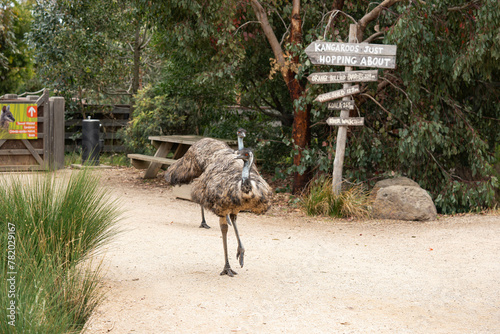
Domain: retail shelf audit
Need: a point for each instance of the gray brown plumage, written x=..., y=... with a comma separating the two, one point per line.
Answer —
x=221, y=189
x=197, y=159
x=229, y=185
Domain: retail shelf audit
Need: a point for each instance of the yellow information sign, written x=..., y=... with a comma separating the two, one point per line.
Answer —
x=18, y=121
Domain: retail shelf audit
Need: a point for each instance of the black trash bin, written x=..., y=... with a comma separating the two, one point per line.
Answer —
x=91, y=144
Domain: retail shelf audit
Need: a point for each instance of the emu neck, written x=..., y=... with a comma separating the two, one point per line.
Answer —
x=245, y=174
x=240, y=143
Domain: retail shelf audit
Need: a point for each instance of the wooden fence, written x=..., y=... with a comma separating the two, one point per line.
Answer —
x=112, y=118
x=46, y=152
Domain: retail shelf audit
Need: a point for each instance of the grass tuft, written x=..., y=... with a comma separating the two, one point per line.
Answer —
x=319, y=199
x=59, y=222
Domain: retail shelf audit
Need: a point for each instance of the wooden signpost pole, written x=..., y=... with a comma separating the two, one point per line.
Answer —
x=338, y=163
x=351, y=54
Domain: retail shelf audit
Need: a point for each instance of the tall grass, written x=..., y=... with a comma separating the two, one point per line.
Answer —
x=60, y=222
x=319, y=199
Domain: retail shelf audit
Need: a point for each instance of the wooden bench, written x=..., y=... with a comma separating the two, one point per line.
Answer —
x=142, y=161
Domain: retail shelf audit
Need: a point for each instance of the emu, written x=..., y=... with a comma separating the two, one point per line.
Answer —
x=226, y=187
x=197, y=159
x=6, y=117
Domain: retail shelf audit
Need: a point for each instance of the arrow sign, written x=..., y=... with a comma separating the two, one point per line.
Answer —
x=343, y=77
x=337, y=94
x=341, y=105
x=352, y=54
x=351, y=121
x=32, y=111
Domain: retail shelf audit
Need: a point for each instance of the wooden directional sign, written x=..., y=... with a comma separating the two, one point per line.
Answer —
x=352, y=54
x=351, y=121
x=343, y=77
x=337, y=94
x=341, y=105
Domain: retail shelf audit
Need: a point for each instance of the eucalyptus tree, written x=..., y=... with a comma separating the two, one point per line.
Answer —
x=91, y=48
x=433, y=118
x=15, y=58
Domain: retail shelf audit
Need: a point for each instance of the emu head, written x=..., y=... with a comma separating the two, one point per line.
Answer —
x=241, y=133
x=245, y=154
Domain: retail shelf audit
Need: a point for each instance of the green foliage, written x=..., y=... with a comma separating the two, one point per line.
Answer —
x=92, y=49
x=57, y=224
x=319, y=199
x=153, y=115
x=436, y=120
x=445, y=140
x=16, y=67
x=71, y=40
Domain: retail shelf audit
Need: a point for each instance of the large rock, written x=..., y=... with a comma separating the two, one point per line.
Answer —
x=402, y=199
x=397, y=181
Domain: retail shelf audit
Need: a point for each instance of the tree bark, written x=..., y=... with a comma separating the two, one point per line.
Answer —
x=301, y=133
x=137, y=60
x=372, y=16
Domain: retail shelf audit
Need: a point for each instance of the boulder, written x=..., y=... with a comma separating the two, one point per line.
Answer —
x=402, y=199
x=397, y=181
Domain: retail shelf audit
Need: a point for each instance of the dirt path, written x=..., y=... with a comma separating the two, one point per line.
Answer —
x=301, y=274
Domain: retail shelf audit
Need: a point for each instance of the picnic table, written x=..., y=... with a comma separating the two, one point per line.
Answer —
x=175, y=146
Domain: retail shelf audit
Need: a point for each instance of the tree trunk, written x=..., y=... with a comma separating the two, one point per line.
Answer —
x=301, y=133
x=302, y=117
x=137, y=60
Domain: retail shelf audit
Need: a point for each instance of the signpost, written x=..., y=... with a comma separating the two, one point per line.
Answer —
x=352, y=54
x=337, y=94
x=348, y=55
x=343, y=77
x=341, y=105
x=351, y=121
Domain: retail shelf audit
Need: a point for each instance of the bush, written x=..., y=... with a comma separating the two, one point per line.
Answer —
x=51, y=227
x=319, y=199
x=153, y=115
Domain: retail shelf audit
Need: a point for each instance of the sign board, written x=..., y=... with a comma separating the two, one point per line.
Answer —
x=343, y=77
x=337, y=94
x=351, y=121
x=352, y=54
x=341, y=105
x=18, y=121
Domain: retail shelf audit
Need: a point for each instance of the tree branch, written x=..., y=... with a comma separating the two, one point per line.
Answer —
x=271, y=37
x=369, y=17
x=467, y=5
x=373, y=37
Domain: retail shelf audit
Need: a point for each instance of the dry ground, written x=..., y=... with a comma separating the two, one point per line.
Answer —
x=301, y=274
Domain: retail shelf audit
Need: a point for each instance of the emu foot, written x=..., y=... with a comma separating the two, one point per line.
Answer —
x=228, y=271
x=240, y=255
x=204, y=225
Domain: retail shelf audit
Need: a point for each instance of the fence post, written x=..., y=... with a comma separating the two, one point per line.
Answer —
x=57, y=111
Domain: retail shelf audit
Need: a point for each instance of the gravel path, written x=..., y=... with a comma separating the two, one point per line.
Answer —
x=301, y=274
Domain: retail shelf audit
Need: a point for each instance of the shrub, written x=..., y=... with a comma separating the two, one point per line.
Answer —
x=153, y=115
x=319, y=199
x=56, y=224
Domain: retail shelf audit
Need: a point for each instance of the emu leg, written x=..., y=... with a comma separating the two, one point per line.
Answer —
x=203, y=221
x=241, y=250
x=227, y=268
